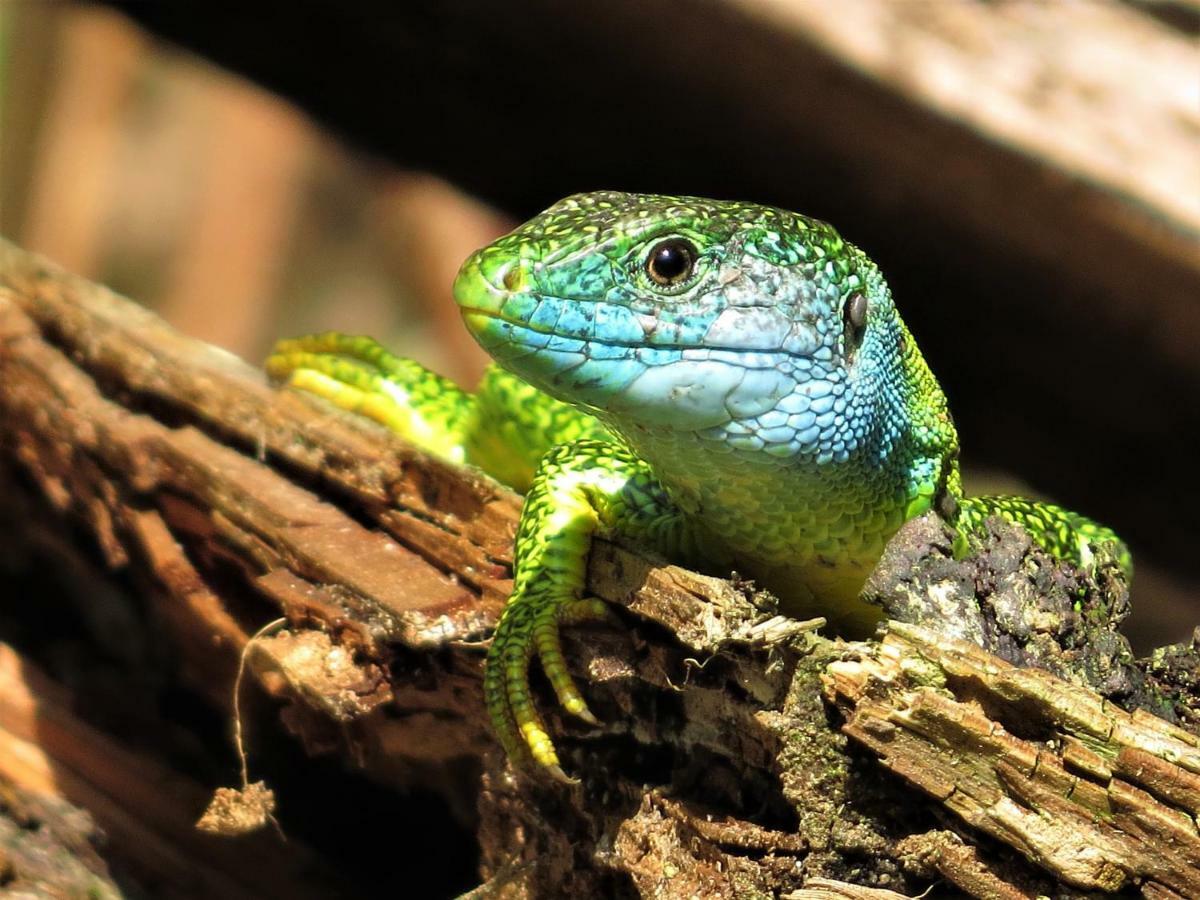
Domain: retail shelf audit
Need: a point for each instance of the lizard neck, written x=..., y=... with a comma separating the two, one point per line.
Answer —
x=808, y=518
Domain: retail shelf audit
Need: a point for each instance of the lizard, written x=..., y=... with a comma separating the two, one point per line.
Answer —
x=722, y=382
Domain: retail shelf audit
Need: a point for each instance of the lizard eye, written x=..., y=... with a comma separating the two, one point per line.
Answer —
x=671, y=261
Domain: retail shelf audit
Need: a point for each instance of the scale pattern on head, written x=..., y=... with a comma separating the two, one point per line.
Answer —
x=758, y=329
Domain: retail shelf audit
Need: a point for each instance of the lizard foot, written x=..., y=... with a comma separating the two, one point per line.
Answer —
x=529, y=627
x=359, y=375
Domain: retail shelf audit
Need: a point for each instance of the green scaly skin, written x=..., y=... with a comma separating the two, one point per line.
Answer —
x=767, y=409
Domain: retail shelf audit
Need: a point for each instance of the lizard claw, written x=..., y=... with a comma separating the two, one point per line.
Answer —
x=560, y=776
x=586, y=715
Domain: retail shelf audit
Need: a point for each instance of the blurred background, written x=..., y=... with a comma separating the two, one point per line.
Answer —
x=214, y=202
x=1026, y=174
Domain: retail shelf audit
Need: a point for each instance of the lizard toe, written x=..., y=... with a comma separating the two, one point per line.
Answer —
x=549, y=650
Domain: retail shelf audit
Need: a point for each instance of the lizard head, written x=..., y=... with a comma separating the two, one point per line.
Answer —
x=746, y=323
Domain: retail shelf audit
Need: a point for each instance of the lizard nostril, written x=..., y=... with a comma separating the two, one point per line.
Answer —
x=498, y=268
x=511, y=277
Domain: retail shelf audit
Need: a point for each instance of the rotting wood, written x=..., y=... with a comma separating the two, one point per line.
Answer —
x=48, y=847
x=48, y=751
x=941, y=714
x=719, y=769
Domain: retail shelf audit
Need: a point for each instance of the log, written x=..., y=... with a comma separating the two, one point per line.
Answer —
x=741, y=752
x=78, y=785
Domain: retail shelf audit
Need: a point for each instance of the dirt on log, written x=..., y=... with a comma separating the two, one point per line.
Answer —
x=742, y=753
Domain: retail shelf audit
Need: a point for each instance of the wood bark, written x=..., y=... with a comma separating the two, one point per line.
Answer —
x=67, y=787
x=741, y=753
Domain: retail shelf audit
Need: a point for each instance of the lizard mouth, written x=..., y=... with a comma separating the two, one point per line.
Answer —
x=632, y=368
x=474, y=312
x=478, y=321
x=684, y=387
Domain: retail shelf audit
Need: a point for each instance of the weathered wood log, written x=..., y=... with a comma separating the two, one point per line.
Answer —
x=53, y=759
x=740, y=753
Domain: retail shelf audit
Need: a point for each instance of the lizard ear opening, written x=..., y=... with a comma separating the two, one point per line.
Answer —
x=855, y=313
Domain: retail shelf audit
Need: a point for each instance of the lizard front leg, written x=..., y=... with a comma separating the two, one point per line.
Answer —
x=358, y=374
x=581, y=490
x=504, y=427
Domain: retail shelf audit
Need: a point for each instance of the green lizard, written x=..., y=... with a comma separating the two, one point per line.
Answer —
x=718, y=381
